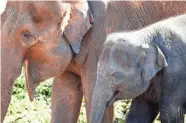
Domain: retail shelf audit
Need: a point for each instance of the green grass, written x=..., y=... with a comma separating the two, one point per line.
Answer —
x=21, y=110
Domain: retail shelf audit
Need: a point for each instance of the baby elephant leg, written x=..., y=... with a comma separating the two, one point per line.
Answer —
x=142, y=111
x=171, y=113
x=66, y=98
x=172, y=107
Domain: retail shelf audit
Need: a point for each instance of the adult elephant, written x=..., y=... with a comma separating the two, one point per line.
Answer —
x=47, y=36
x=44, y=35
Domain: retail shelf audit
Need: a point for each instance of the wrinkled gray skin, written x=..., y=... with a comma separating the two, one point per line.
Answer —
x=144, y=64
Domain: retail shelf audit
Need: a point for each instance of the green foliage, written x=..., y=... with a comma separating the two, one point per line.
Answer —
x=21, y=110
x=120, y=110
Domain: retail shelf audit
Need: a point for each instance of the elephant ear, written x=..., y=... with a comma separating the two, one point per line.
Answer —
x=152, y=60
x=78, y=25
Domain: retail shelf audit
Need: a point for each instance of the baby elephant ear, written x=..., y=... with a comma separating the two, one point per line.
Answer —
x=161, y=58
x=78, y=24
x=152, y=61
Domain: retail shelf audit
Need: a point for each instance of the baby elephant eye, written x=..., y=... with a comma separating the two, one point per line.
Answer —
x=117, y=74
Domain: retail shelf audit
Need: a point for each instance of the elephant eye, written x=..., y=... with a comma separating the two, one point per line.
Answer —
x=27, y=35
x=117, y=74
x=138, y=65
x=28, y=38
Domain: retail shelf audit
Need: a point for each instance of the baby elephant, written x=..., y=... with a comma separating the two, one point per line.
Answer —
x=148, y=65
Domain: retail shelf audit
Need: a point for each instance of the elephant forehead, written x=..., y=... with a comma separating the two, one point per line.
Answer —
x=123, y=55
x=14, y=14
x=46, y=8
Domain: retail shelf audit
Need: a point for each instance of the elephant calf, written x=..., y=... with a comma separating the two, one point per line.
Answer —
x=148, y=65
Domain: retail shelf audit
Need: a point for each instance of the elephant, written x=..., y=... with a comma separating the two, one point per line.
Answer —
x=149, y=62
x=41, y=35
x=64, y=39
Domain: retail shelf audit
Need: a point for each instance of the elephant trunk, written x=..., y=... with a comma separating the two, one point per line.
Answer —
x=30, y=82
x=101, y=95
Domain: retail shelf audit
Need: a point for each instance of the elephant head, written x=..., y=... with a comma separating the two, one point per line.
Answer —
x=44, y=35
x=124, y=71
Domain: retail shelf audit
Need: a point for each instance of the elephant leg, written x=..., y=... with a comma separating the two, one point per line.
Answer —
x=172, y=104
x=66, y=98
x=171, y=113
x=142, y=111
x=108, y=116
x=88, y=81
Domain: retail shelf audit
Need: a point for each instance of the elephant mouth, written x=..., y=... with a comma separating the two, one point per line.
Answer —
x=113, y=99
x=30, y=83
x=110, y=102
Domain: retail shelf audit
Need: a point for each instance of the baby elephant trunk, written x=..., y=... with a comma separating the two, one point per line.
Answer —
x=101, y=95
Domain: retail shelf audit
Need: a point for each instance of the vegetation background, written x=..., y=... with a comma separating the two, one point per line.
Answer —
x=21, y=110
